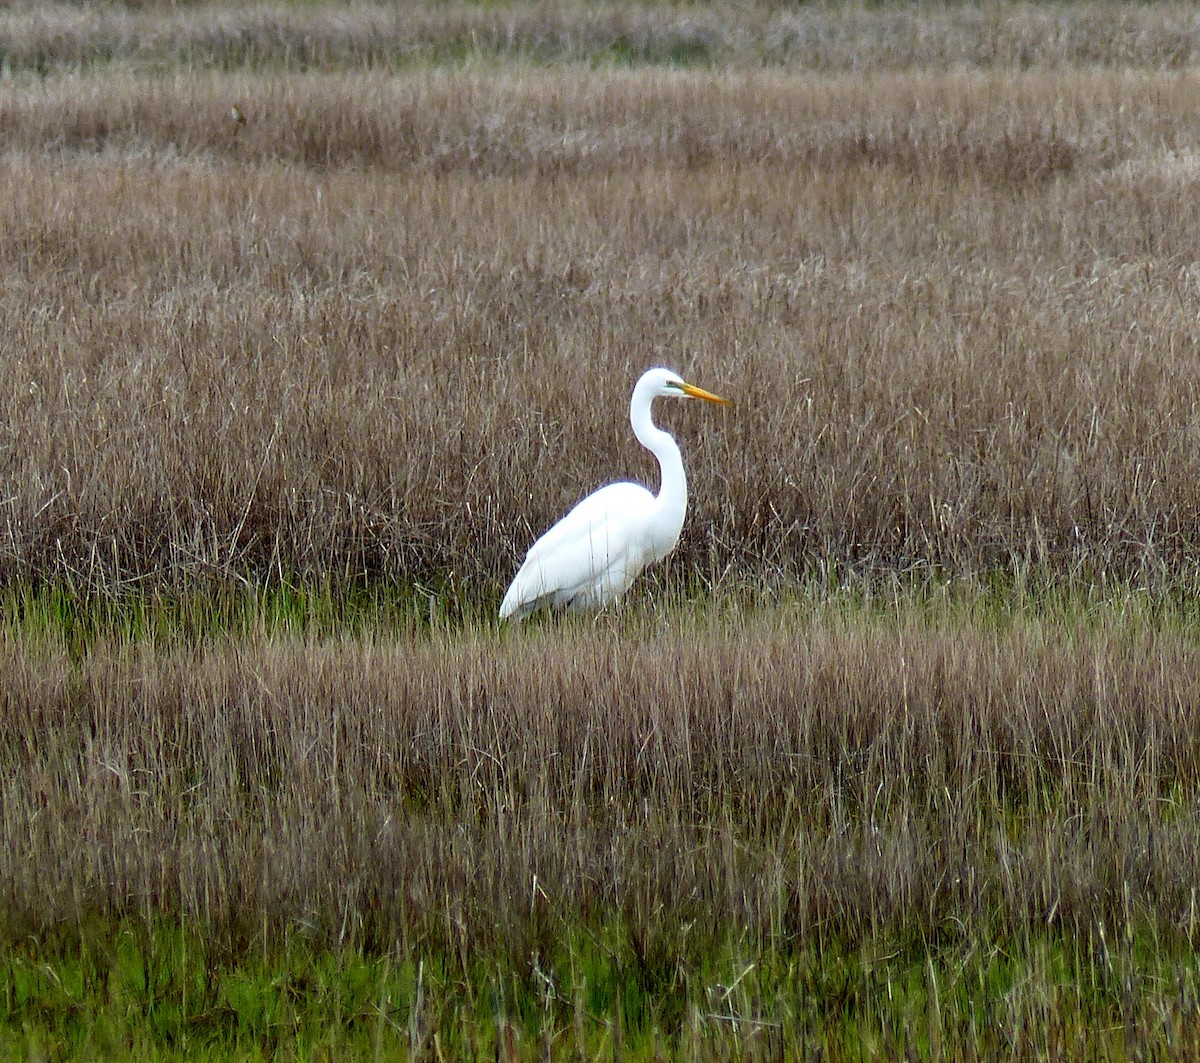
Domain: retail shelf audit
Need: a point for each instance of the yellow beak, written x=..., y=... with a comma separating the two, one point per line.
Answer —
x=693, y=392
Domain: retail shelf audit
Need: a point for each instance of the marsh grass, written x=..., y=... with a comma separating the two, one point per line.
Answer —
x=387, y=330
x=159, y=992
x=868, y=814
x=44, y=38
x=66, y=618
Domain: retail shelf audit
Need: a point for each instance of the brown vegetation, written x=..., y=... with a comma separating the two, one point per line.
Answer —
x=43, y=37
x=814, y=779
x=387, y=327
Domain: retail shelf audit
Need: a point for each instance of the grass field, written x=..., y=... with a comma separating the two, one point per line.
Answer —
x=897, y=755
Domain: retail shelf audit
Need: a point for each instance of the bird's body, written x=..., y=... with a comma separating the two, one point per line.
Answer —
x=591, y=556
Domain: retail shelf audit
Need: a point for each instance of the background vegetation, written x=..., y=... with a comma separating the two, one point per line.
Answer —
x=387, y=328
x=897, y=755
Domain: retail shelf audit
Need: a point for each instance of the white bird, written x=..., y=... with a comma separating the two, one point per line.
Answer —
x=591, y=556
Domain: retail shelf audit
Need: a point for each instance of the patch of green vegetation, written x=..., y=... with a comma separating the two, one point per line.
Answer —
x=686, y=50
x=76, y=620
x=999, y=600
x=130, y=990
x=287, y=43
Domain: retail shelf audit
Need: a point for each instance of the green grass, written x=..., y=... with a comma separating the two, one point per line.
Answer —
x=62, y=615
x=131, y=990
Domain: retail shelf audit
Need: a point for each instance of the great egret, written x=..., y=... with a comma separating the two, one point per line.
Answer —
x=591, y=556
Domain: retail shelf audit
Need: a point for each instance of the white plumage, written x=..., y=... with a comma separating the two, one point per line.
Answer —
x=591, y=556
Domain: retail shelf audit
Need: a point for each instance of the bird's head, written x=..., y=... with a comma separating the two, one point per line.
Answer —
x=669, y=384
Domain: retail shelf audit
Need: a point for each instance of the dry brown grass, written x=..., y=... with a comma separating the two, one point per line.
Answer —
x=388, y=327
x=43, y=37
x=814, y=779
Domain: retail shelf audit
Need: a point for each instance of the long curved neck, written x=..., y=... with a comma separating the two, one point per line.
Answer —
x=672, y=495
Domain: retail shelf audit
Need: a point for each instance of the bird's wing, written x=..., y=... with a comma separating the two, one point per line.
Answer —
x=579, y=554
